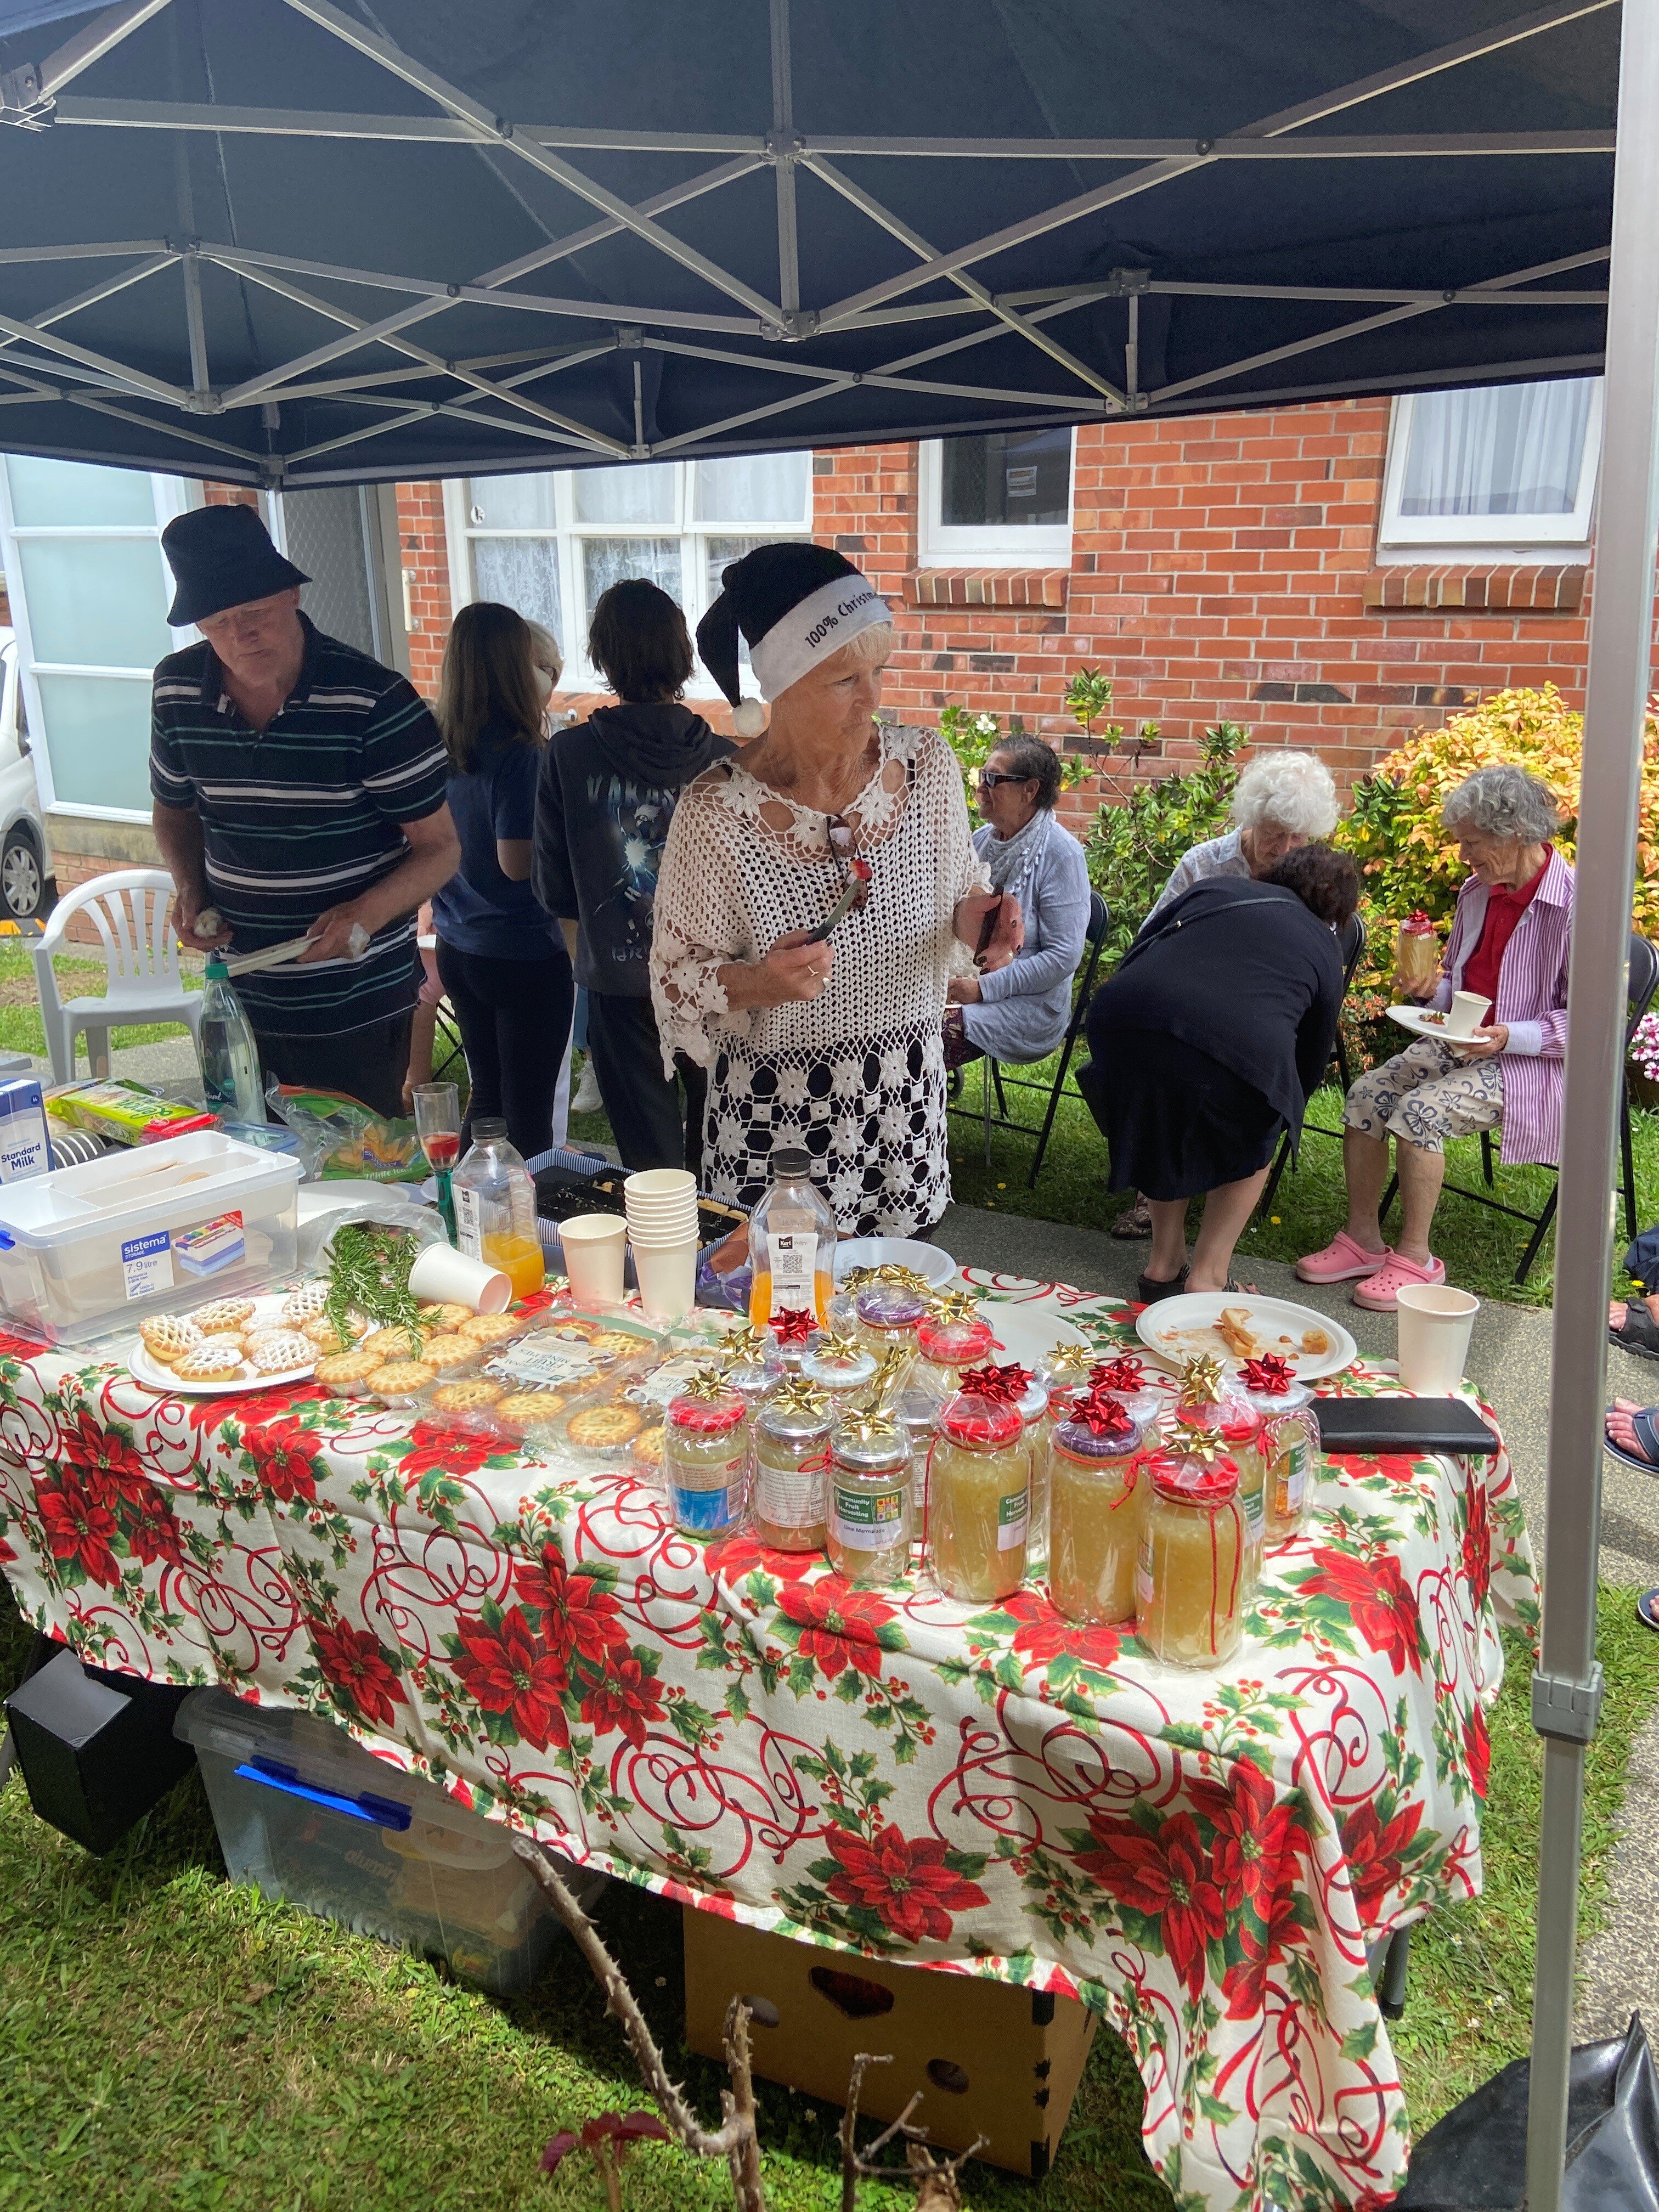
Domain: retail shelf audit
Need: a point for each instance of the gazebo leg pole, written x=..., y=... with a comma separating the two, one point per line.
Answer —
x=1566, y=1688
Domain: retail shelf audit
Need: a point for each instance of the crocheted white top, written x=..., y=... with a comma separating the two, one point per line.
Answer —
x=857, y=1074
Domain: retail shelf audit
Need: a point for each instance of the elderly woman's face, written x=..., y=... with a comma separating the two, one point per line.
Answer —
x=1499, y=861
x=840, y=696
x=1266, y=845
x=1006, y=801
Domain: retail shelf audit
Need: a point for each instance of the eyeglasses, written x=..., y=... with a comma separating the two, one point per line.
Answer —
x=988, y=779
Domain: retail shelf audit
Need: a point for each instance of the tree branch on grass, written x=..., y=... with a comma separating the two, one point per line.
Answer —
x=936, y=2180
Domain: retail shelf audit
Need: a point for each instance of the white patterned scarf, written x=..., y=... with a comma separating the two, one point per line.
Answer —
x=1014, y=861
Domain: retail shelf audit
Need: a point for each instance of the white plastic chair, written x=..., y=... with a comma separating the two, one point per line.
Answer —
x=129, y=910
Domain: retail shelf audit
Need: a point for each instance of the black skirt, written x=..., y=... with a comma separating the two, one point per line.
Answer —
x=1175, y=1122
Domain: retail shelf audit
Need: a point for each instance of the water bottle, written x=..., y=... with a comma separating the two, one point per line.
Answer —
x=230, y=1058
x=496, y=1208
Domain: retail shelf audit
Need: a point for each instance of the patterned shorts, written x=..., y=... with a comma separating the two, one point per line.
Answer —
x=1426, y=1094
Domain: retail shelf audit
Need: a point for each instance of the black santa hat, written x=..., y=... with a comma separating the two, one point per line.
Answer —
x=796, y=603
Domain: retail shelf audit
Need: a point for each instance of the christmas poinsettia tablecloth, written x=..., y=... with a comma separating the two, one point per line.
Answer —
x=1205, y=1858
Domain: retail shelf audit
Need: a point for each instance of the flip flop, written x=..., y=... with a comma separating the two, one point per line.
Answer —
x=1647, y=1608
x=1640, y=1334
x=1646, y=1425
x=1149, y=1290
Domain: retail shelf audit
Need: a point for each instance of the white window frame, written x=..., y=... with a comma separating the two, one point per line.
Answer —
x=171, y=496
x=1017, y=545
x=579, y=675
x=1409, y=538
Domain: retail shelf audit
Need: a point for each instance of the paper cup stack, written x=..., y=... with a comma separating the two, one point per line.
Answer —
x=662, y=1230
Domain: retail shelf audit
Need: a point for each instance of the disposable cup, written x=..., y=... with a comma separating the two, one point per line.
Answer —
x=1468, y=1011
x=441, y=1276
x=660, y=1182
x=594, y=1247
x=677, y=1205
x=683, y=1224
x=667, y=1278
x=1435, y=1326
x=665, y=1243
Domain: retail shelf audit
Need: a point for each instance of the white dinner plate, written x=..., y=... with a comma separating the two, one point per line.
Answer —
x=1028, y=1332
x=1175, y=1329
x=1424, y=1022
x=936, y=1268
x=155, y=1376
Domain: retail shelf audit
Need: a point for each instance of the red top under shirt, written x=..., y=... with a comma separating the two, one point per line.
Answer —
x=1504, y=910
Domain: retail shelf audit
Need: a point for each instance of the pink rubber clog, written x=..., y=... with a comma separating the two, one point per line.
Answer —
x=1380, y=1292
x=1341, y=1262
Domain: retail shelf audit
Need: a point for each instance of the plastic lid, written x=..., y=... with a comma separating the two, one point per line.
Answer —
x=1109, y=1431
x=955, y=1343
x=1196, y=1482
x=707, y=1417
x=791, y=1164
x=968, y=1419
x=486, y=1130
x=218, y=969
x=890, y=1305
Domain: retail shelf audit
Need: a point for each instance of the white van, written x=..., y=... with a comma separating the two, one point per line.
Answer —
x=23, y=861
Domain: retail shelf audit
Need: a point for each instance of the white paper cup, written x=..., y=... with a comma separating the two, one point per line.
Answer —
x=660, y=1182
x=1468, y=1011
x=1435, y=1326
x=665, y=1232
x=594, y=1246
x=667, y=1278
x=442, y=1276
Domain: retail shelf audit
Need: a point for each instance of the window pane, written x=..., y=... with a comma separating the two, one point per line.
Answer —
x=1011, y=476
x=98, y=740
x=95, y=602
x=1516, y=450
x=606, y=560
x=624, y=495
x=511, y=502
x=62, y=493
x=521, y=573
x=765, y=488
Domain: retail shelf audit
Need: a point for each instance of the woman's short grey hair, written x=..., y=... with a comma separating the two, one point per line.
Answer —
x=1034, y=762
x=1287, y=791
x=870, y=645
x=1501, y=802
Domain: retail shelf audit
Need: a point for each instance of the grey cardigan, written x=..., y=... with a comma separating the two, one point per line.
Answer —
x=1024, y=1007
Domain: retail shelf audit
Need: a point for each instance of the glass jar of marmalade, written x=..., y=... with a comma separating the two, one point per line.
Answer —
x=1190, y=1582
x=1098, y=1492
x=792, y=1457
x=867, y=1527
x=979, y=1500
x=705, y=1461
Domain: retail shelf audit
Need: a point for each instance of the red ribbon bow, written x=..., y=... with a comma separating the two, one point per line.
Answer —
x=1001, y=1386
x=1126, y=1372
x=1100, y=1413
x=1270, y=1376
x=1418, y=923
x=794, y=1325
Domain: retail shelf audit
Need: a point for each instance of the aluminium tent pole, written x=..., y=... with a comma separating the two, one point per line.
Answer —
x=1566, y=1689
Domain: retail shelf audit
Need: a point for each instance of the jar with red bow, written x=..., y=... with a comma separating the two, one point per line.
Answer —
x=979, y=1499
x=952, y=1337
x=1099, y=1492
x=1290, y=1448
x=705, y=1457
x=1190, y=1593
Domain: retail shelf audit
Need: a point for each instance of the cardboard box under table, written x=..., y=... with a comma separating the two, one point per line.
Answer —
x=989, y=2059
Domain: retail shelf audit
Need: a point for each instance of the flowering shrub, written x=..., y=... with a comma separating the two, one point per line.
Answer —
x=973, y=735
x=1645, y=1048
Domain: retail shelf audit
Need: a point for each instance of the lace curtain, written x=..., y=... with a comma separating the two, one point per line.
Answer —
x=1514, y=450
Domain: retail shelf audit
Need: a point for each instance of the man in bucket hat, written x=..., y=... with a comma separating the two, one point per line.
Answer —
x=299, y=792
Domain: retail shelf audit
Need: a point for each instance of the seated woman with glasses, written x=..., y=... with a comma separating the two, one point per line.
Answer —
x=1020, y=1012
x=826, y=1042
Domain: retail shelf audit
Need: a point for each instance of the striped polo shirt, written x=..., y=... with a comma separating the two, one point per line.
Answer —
x=301, y=816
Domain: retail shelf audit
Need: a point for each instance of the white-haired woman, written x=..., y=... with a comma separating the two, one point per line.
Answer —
x=832, y=1045
x=1282, y=802
x=1509, y=941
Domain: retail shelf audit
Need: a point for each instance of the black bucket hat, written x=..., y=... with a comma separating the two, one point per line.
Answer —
x=223, y=556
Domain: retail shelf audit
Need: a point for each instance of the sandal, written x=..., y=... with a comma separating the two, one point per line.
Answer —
x=1647, y=1608
x=1640, y=1334
x=1149, y=1290
x=1645, y=1460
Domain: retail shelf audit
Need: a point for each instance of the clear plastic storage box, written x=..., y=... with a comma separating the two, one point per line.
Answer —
x=92, y=1248
x=306, y=1814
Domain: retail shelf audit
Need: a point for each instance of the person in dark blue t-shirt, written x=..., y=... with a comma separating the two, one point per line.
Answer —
x=503, y=964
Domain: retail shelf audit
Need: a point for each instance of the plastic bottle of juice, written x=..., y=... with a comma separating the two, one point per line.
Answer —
x=230, y=1058
x=792, y=1243
x=496, y=1208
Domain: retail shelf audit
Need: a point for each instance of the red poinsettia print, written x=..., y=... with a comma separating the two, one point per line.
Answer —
x=1165, y=1876
x=152, y=1530
x=580, y=1619
x=79, y=1527
x=905, y=1881
x=1477, y=1541
x=284, y=1458
x=733, y=1557
x=103, y=1453
x=259, y=1409
x=626, y=1700
x=1253, y=1839
x=449, y=1452
x=1374, y=1850
x=836, y=1625
x=1263, y=1943
x=1044, y=1635
x=1373, y=1591
x=352, y=1660
x=1477, y=1749
x=507, y=1670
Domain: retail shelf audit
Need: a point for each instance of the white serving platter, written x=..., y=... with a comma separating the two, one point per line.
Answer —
x=1176, y=1329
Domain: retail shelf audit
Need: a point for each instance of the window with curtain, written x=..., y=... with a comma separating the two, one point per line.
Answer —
x=89, y=590
x=1001, y=500
x=551, y=544
x=1511, y=465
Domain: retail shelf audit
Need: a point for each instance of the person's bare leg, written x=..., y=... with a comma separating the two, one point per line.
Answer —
x=423, y=1032
x=1421, y=1175
x=1616, y=1310
x=1365, y=1169
x=1226, y=1211
x=1168, y=1252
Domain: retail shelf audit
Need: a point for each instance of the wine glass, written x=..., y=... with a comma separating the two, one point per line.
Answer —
x=438, y=1126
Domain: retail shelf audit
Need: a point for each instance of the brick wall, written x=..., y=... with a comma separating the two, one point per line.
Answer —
x=423, y=550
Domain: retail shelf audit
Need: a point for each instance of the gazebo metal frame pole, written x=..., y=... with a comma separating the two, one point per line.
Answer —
x=1566, y=1690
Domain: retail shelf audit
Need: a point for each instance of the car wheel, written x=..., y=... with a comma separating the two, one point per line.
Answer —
x=20, y=876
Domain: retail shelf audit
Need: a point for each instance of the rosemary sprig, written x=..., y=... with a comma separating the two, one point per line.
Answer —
x=368, y=1273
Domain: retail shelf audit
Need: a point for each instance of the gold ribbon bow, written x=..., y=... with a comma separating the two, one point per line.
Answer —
x=956, y=1305
x=743, y=1343
x=797, y=1396
x=707, y=1382
x=1207, y=1446
x=870, y=1421
x=860, y=1279
x=1200, y=1380
x=835, y=1343
x=1067, y=1359
x=891, y=1371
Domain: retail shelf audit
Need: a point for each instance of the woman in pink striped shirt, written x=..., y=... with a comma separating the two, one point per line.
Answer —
x=1509, y=941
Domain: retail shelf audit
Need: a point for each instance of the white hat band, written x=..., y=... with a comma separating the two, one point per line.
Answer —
x=819, y=625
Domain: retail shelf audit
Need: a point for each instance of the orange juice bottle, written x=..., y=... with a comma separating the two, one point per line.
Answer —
x=496, y=1208
x=792, y=1242
x=520, y=1258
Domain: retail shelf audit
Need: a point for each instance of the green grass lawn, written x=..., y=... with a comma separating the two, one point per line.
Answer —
x=20, y=1006
x=169, y=2044
x=1480, y=1249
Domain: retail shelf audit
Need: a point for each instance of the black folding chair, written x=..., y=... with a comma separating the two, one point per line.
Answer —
x=994, y=1079
x=1352, y=943
x=1641, y=982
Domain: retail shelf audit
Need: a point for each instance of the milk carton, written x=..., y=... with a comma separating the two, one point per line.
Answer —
x=24, y=1151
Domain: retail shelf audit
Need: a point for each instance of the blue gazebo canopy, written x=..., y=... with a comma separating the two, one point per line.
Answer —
x=284, y=241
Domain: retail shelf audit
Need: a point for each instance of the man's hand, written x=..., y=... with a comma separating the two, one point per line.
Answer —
x=962, y=991
x=328, y=937
x=189, y=903
x=1482, y=1044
